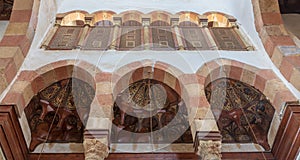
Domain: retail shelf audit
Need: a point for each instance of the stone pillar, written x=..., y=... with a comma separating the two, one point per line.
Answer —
x=241, y=34
x=208, y=145
x=117, y=24
x=96, y=144
x=146, y=24
x=88, y=18
x=52, y=31
x=174, y=23
x=211, y=41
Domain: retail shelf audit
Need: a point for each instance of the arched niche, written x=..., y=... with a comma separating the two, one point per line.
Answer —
x=189, y=18
x=218, y=19
x=59, y=112
x=243, y=113
x=74, y=18
x=102, y=18
x=149, y=111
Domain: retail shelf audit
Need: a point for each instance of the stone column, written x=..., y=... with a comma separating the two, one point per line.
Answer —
x=146, y=24
x=52, y=31
x=117, y=24
x=204, y=24
x=88, y=18
x=96, y=144
x=207, y=142
x=174, y=23
x=241, y=34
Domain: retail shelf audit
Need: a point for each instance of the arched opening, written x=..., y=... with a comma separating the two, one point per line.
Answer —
x=5, y=12
x=290, y=14
x=242, y=112
x=149, y=111
x=75, y=18
x=217, y=19
x=58, y=113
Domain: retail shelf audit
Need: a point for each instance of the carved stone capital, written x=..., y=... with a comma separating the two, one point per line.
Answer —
x=208, y=145
x=96, y=149
x=209, y=150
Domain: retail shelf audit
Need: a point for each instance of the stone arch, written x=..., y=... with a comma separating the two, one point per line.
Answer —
x=102, y=16
x=131, y=15
x=29, y=82
x=160, y=16
x=16, y=42
x=189, y=17
x=73, y=18
x=265, y=80
x=163, y=72
x=185, y=85
x=280, y=47
x=218, y=19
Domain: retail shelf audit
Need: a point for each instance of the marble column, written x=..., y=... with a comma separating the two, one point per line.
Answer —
x=117, y=24
x=174, y=22
x=242, y=35
x=96, y=144
x=88, y=18
x=204, y=24
x=146, y=24
x=52, y=31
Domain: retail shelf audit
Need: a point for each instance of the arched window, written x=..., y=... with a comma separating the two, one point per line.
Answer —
x=149, y=111
x=58, y=113
x=242, y=112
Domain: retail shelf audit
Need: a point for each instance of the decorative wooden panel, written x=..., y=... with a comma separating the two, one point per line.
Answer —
x=287, y=141
x=65, y=38
x=59, y=112
x=6, y=9
x=194, y=38
x=12, y=140
x=131, y=38
x=243, y=113
x=149, y=111
x=98, y=38
x=227, y=39
x=162, y=38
